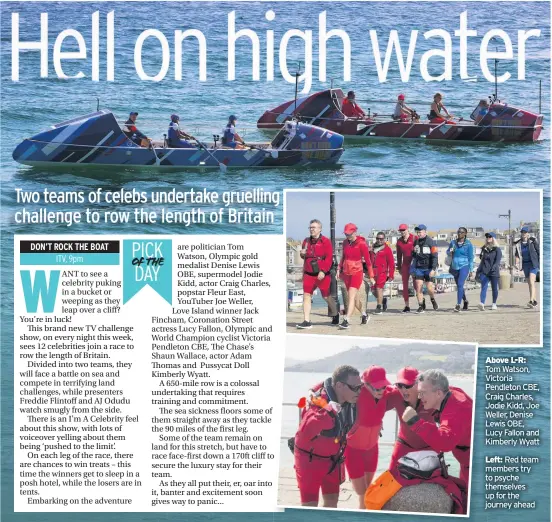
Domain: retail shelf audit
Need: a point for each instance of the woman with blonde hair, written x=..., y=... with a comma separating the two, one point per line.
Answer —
x=489, y=269
x=435, y=115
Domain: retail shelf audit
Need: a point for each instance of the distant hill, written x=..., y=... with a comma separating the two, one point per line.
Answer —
x=451, y=359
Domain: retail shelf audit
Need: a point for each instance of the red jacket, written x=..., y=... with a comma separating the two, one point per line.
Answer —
x=351, y=109
x=353, y=255
x=383, y=261
x=453, y=429
x=404, y=251
x=320, y=429
x=320, y=249
x=406, y=435
x=366, y=430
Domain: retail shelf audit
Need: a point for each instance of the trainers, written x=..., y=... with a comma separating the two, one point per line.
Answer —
x=465, y=307
x=378, y=310
x=456, y=308
x=384, y=304
x=530, y=304
x=421, y=309
x=365, y=319
x=335, y=319
x=423, y=304
x=481, y=306
x=344, y=324
x=494, y=307
x=435, y=305
x=406, y=309
x=305, y=325
x=534, y=304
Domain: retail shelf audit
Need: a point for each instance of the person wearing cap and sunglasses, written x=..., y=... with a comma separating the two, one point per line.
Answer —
x=350, y=108
x=404, y=395
x=383, y=264
x=132, y=133
x=461, y=266
x=404, y=113
x=424, y=264
x=230, y=137
x=326, y=417
x=177, y=138
x=351, y=269
x=361, y=453
x=527, y=253
x=405, y=247
x=317, y=253
x=453, y=416
x=488, y=270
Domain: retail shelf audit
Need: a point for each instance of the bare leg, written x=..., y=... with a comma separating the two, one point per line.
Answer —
x=310, y=504
x=418, y=286
x=532, y=290
x=351, y=304
x=360, y=486
x=378, y=294
x=330, y=500
x=430, y=290
x=307, y=306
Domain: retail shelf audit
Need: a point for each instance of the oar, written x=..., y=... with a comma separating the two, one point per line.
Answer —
x=157, y=160
x=221, y=165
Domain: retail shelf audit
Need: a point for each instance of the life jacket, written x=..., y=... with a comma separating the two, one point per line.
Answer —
x=227, y=135
x=173, y=136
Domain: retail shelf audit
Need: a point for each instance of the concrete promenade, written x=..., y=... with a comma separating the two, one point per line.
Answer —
x=513, y=323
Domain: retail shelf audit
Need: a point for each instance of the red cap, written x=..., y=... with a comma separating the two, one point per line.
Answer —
x=350, y=228
x=375, y=376
x=401, y=96
x=403, y=226
x=407, y=376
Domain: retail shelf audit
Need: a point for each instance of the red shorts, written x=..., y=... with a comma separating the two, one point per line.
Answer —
x=358, y=462
x=313, y=476
x=310, y=283
x=381, y=279
x=355, y=280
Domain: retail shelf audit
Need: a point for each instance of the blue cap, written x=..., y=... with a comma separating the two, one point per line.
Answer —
x=133, y=113
x=525, y=229
x=175, y=117
x=232, y=118
x=490, y=234
x=420, y=227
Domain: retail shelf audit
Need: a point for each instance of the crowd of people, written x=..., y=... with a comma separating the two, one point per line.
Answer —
x=364, y=268
x=342, y=418
x=177, y=138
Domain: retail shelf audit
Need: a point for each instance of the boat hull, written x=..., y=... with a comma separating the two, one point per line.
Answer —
x=96, y=139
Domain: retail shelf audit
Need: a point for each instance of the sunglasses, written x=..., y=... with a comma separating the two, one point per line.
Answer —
x=402, y=386
x=355, y=389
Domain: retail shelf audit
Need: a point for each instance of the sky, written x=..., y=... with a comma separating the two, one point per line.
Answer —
x=315, y=347
x=384, y=210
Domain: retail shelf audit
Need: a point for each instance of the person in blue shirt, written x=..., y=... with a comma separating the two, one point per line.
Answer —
x=461, y=266
x=488, y=270
x=483, y=110
x=230, y=138
x=178, y=139
x=527, y=253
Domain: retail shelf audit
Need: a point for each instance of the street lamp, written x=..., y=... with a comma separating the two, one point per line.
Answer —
x=510, y=246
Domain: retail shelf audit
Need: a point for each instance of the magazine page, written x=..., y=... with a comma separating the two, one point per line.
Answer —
x=275, y=260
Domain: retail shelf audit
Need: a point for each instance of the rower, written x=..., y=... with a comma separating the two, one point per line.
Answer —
x=403, y=112
x=178, y=139
x=482, y=110
x=132, y=133
x=437, y=106
x=230, y=138
x=350, y=108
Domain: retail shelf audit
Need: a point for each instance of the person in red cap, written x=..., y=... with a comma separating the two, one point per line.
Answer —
x=383, y=264
x=351, y=268
x=319, y=442
x=405, y=246
x=403, y=112
x=404, y=395
x=361, y=453
x=317, y=253
x=453, y=416
x=350, y=108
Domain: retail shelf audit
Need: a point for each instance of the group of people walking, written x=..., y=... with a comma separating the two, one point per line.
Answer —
x=365, y=268
x=342, y=418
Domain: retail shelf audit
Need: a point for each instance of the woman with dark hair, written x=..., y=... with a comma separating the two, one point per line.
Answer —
x=461, y=266
x=489, y=269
